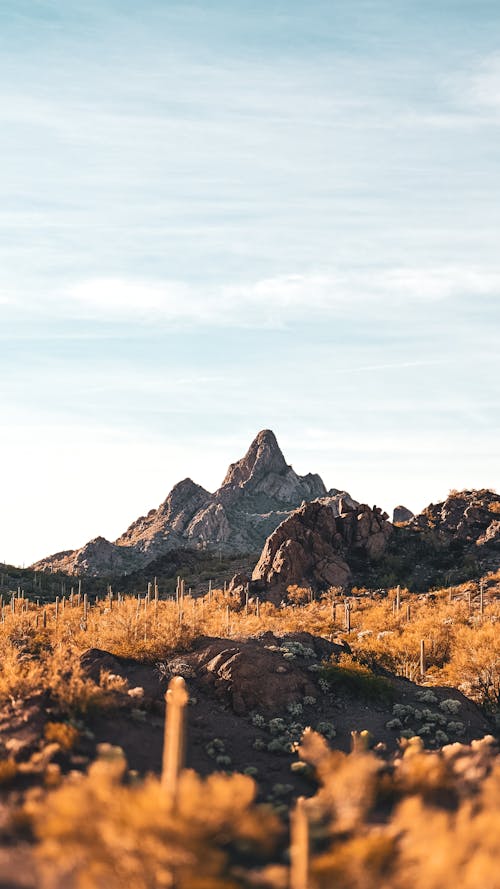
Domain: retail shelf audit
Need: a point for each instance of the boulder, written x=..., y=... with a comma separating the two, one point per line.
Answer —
x=401, y=514
x=234, y=670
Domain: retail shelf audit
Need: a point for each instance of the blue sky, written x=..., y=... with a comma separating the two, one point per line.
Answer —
x=223, y=216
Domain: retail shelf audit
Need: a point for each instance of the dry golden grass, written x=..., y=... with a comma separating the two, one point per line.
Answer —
x=461, y=644
x=429, y=821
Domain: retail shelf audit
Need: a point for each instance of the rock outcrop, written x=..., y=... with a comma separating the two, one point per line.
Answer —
x=401, y=514
x=316, y=546
x=452, y=541
x=469, y=517
x=257, y=493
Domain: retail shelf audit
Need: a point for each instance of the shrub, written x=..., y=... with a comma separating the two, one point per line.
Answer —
x=355, y=679
x=62, y=733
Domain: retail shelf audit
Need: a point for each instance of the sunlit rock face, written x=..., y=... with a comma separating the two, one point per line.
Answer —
x=259, y=491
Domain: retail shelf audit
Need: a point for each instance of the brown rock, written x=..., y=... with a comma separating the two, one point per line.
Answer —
x=313, y=547
x=235, y=669
x=401, y=514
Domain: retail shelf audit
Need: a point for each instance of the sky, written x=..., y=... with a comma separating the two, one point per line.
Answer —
x=229, y=215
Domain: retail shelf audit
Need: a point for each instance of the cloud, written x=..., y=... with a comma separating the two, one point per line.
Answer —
x=484, y=86
x=476, y=90
x=274, y=301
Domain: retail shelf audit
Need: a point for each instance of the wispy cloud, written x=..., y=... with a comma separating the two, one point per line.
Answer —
x=484, y=84
x=275, y=300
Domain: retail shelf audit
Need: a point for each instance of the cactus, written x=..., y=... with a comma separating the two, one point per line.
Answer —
x=361, y=741
x=299, y=846
x=176, y=698
x=347, y=616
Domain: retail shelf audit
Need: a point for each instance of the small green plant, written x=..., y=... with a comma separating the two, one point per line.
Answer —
x=450, y=706
x=353, y=678
x=215, y=747
x=294, y=709
x=280, y=745
x=426, y=696
x=456, y=728
x=223, y=760
x=327, y=729
x=277, y=726
x=441, y=738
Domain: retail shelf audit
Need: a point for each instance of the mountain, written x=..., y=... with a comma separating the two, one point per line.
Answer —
x=258, y=492
x=334, y=541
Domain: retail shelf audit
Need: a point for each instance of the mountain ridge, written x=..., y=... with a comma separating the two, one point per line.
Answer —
x=257, y=493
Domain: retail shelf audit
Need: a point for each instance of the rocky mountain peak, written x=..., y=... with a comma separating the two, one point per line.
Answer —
x=181, y=494
x=258, y=492
x=263, y=456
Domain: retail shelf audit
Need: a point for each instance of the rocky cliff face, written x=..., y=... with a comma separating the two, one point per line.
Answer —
x=317, y=544
x=257, y=493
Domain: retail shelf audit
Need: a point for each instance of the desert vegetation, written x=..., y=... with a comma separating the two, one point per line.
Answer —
x=82, y=816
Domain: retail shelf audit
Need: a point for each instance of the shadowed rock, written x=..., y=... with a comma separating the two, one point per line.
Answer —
x=401, y=514
x=314, y=546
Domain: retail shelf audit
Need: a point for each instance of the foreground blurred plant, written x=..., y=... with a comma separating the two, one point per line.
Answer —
x=431, y=820
x=97, y=832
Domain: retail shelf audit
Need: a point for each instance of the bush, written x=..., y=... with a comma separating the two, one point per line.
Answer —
x=355, y=679
x=62, y=733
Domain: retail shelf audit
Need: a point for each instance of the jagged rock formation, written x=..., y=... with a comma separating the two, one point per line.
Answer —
x=466, y=516
x=401, y=514
x=317, y=545
x=448, y=542
x=257, y=493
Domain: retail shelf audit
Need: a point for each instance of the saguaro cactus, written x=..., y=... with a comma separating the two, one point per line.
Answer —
x=299, y=846
x=347, y=606
x=423, y=663
x=176, y=698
